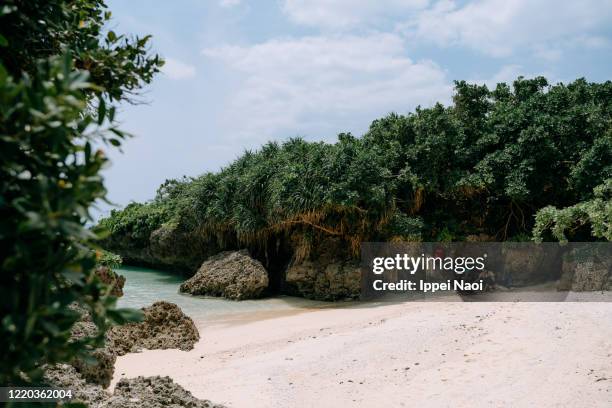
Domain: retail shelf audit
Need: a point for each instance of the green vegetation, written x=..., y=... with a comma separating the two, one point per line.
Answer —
x=138, y=221
x=108, y=259
x=595, y=213
x=59, y=81
x=481, y=167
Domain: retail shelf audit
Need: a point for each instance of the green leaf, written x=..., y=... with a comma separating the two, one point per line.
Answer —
x=101, y=110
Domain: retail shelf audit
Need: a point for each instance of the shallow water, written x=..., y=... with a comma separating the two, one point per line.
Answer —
x=145, y=286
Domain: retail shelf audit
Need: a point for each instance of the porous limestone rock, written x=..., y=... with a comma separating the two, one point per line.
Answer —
x=139, y=392
x=164, y=326
x=583, y=275
x=153, y=392
x=231, y=274
x=111, y=278
x=324, y=280
x=65, y=376
x=100, y=371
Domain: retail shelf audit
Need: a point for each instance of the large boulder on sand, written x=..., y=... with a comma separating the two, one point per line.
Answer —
x=231, y=274
x=164, y=326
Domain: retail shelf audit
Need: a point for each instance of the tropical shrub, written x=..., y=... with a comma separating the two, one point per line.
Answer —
x=591, y=218
x=483, y=166
x=58, y=80
x=108, y=259
x=137, y=222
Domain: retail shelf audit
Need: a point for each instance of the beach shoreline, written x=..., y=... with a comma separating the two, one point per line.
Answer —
x=397, y=354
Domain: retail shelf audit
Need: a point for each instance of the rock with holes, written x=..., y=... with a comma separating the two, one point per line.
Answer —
x=112, y=279
x=586, y=273
x=67, y=377
x=328, y=271
x=164, y=326
x=139, y=392
x=153, y=392
x=99, y=368
x=231, y=274
x=322, y=280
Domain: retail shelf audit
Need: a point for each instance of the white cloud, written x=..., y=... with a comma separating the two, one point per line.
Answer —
x=346, y=13
x=499, y=28
x=176, y=69
x=502, y=27
x=318, y=86
x=229, y=3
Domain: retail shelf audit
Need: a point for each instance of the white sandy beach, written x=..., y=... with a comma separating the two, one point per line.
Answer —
x=444, y=354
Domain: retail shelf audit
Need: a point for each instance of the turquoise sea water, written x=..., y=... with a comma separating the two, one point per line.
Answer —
x=145, y=286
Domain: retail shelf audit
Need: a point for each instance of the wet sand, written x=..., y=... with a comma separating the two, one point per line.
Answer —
x=425, y=354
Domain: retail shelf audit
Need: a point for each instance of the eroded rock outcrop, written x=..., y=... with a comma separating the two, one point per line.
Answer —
x=100, y=371
x=166, y=248
x=328, y=272
x=111, y=278
x=153, y=392
x=529, y=264
x=231, y=274
x=325, y=280
x=164, y=326
x=585, y=275
x=140, y=392
x=67, y=377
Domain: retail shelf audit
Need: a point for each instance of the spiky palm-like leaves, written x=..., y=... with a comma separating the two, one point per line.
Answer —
x=483, y=165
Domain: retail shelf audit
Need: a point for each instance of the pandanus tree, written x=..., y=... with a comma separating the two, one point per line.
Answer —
x=487, y=164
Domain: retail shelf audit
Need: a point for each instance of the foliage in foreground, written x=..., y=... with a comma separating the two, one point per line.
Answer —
x=58, y=81
x=483, y=166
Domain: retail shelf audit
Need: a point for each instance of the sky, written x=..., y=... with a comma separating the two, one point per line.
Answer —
x=240, y=73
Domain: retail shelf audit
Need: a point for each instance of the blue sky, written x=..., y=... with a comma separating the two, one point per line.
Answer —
x=240, y=73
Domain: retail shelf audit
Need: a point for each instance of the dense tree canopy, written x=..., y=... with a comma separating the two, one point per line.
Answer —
x=32, y=30
x=481, y=167
x=59, y=78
